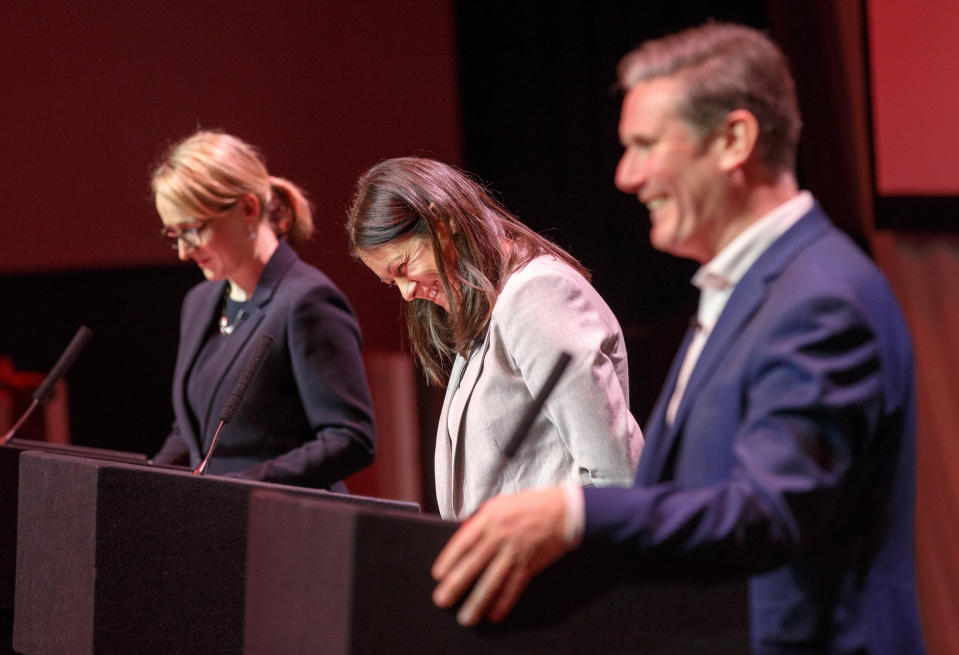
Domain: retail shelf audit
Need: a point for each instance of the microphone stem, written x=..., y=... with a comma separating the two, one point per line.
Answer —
x=12, y=431
x=201, y=468
x=529, y=416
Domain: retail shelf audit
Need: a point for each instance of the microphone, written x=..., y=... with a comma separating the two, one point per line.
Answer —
x=236, y=396
x=522, y=428
x=60, y=369
x=532, y=411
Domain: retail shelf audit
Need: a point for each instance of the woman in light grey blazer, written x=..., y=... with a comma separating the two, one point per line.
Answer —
x=491, y=306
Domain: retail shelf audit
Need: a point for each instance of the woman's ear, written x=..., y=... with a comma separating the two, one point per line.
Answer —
x=250, y=205
x=443, y=233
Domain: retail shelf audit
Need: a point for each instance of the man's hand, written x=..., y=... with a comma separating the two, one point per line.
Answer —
x=504, y=544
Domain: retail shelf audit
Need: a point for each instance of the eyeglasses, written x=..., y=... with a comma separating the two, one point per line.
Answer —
x=192, y=236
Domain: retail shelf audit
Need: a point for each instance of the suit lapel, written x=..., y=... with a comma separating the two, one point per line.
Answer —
x=235, y=344
x=471, y=375
x=745, y=301
x=443, y=464
x=196, y=322
x=655, y=450
x=273, y=273
x=463, y=379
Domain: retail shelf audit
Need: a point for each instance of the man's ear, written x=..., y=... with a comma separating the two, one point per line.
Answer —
x=736, y=139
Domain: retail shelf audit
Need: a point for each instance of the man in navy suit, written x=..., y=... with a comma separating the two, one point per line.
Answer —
x=782, y=447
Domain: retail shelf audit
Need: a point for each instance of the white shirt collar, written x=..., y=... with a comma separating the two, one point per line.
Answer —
x=729, y=266
x=717, y=277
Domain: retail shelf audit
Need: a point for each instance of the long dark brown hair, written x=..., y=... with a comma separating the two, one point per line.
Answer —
x=411, y=196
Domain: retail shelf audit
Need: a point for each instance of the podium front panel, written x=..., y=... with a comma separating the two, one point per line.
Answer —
x=334, y=580
x=9, y=488
x=119, y=558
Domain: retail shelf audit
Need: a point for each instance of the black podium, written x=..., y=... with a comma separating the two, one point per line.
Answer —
x=125, y=558
x=9, y=484
x=332, y=579
x=115, y=557
x=9, y=495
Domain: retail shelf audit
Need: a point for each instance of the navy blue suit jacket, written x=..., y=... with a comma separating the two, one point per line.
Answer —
x=791, y=459
x=307, y=418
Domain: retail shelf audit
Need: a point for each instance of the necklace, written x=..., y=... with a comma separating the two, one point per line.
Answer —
x=233, y=313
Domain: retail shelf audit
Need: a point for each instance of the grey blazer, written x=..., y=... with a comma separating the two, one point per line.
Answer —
x=585, y=432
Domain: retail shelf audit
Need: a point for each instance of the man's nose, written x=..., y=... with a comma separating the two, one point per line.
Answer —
x=630, y=172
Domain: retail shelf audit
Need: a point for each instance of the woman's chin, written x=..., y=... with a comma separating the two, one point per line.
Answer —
x=438, y=302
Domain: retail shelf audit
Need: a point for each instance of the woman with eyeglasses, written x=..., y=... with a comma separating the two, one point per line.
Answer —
x=307, y=418
x=491, y=305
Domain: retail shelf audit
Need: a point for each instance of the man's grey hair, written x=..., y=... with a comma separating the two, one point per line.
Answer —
x=723, y=67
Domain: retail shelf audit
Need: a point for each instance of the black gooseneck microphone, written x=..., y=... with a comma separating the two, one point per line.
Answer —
x=532, y=411
x=522, y=428
x=60, y=369
x=236, y=396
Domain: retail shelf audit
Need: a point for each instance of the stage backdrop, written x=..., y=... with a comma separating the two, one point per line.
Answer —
x=94, y=91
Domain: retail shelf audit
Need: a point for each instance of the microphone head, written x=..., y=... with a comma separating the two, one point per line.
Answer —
x=246, y=377
x=63, y=364
x=236, y=396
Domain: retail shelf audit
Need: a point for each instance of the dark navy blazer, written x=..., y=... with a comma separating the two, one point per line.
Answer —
x=792, y=456
x=307, y=418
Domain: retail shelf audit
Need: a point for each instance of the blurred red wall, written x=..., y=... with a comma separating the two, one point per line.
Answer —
x=91, y=96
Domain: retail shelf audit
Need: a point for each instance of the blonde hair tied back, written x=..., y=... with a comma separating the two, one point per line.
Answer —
x=208, y=171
